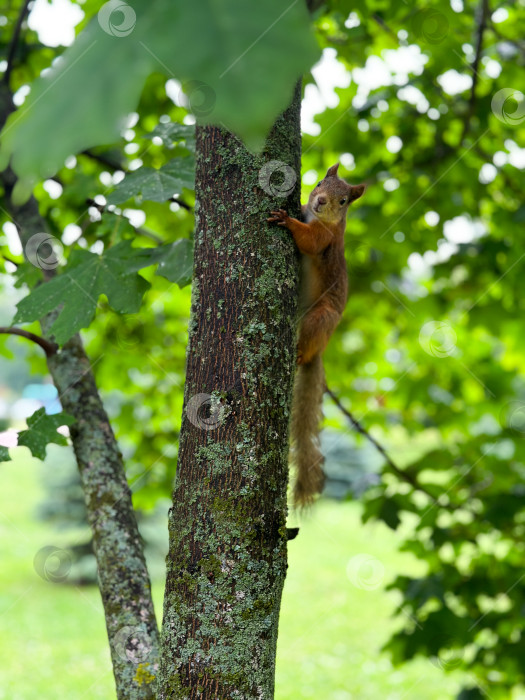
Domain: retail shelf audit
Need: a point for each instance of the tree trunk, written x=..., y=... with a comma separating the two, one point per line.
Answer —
x=123, y=577
x=227, y=559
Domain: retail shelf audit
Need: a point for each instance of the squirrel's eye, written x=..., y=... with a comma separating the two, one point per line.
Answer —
x=342, y=202
x=318, y=184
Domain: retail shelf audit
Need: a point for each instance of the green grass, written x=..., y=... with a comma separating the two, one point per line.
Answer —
x=53, y=640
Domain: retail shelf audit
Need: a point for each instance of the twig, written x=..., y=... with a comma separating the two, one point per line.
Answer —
x=181, y=203
x=518, y=44
x=149, y=234
x=47, y=346
x=14, y=42
x=482, y=23
x=103, y=160
x=8, y=259
x=506, y=179
x=381, y=22
x=393, y=466
x=314, y=5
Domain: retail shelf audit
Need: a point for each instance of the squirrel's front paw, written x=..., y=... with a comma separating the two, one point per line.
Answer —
x=279, y=217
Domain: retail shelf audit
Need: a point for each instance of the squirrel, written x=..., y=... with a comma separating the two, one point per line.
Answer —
x=323, y=295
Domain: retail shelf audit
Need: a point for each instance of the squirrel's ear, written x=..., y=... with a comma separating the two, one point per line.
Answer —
x=332, y=172
x=356, y=191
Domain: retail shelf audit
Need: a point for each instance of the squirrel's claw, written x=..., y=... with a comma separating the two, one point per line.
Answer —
x=278, y=217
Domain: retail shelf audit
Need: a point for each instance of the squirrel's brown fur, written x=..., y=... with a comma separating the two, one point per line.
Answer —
x=306, y=417
x=324, y=289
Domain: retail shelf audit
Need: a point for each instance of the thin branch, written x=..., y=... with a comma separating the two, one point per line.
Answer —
x=149, y=234
x=91, y=203
x=314, y=5
x=47, y=346
x=483, y=13
x=506, y=179
x=517, y=43
x=181, y=203
x=14, y=42
x=381, y=22
x=402, y=474
x=8, y=259
x=103, y=160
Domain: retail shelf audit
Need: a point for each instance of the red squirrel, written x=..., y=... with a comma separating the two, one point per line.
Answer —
x=323, y=296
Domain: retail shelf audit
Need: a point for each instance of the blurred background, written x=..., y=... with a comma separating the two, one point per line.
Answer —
x=406, y=579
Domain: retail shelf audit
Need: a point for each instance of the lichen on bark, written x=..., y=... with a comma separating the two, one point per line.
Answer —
x=227, y=559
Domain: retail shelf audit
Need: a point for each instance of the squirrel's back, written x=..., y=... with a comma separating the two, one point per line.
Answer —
x=324, y=290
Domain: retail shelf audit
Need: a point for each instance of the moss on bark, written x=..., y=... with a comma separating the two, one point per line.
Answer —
x=227, y=559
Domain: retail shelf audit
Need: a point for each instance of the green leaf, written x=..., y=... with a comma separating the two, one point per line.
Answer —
x=238, y=63
x=389, y=513
x=176, y=262
x=171, y=133
x=472, y=693
x=27, y=275
x=77, y=289
x=114, y=273
x=156, y=185
x=42, y=429
x=4, y=454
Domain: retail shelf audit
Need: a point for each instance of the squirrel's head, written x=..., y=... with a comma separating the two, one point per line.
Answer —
x=331, y=197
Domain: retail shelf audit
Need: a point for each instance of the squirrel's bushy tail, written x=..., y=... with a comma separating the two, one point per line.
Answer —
x=306, y=417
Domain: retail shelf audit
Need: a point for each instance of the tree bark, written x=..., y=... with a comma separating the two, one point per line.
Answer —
x=227, y=559
x=123, y=576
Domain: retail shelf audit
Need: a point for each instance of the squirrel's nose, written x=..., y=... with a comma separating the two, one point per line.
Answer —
x=321, y=200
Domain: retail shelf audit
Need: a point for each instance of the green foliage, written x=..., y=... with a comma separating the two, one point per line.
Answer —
x=171, y=132
x=429, y=352
x=156, y=185
x=176, y=262
x=249, y=57
x=41, y=430
x=76, y=291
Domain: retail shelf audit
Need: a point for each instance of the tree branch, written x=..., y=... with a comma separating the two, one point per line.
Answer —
x=128, y=605
x=47, y=346
x=402, y=474
x=518, y=44
x=381, y=22
x=103, y=160
x=8, y=259
x=14, y=42
x=483, y=12
x=181, y=203
x=314, y=5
